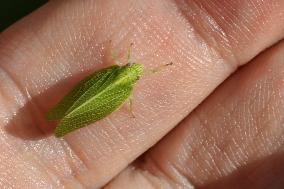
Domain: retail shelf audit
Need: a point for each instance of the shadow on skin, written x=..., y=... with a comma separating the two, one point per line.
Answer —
x=262, y=174
x=29, y=122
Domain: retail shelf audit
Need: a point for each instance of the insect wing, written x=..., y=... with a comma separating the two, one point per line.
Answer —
x=92, y=84
x=95, y=109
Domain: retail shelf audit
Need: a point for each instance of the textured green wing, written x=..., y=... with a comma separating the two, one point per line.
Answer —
x=95, y=97
x=95, y=109
x=92, y=85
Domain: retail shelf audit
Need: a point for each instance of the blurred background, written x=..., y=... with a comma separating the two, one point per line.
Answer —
x=13, y=10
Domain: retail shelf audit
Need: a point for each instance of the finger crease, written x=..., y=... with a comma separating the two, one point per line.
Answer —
x=33, y=109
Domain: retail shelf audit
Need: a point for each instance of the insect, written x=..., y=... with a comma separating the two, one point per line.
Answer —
x=96, y=96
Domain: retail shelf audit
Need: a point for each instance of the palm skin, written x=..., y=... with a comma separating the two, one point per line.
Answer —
x=229, y=138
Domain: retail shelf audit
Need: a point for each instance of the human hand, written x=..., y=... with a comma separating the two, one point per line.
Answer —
x=232, y=140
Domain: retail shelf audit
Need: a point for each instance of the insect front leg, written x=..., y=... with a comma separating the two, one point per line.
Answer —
x=114, y=55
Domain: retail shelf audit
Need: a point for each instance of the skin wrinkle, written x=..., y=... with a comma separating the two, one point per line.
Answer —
x=72, y=41
x=213, y=162
x=14, y=175
x=86, y=160
x=109, y=142
x=225, y=51
x=39, y=44
x=124, y=24
x=164, y=41
x=182, y=176
x=119, y=135
x=251, y=137
x=35, y=160
x=182, y=182
x=9, y=112
x=237, y=155
x=245, y=25
x=201, y=144
x=149, y=181
x=194, y=156
x=79, y=153
x=53, y=170
x=260, y=110
x=180, y=172
x=74, y=38
x=257, y=6
x=271, y=146
x=34, y=110
x=121, y=38
x=180, y=48
x=69, y=156
x=231, y=110
x=241, y=148
x=159, y=36
x=241, y=153
x=221, y=149
x=152, y=164
x=157, y=182
x=105, y=147
x=74, y=173
x=52, y=53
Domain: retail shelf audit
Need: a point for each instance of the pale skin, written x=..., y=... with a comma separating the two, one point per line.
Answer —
x=229, y=138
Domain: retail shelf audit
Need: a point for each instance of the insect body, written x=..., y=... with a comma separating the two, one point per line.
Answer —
x=95, y=97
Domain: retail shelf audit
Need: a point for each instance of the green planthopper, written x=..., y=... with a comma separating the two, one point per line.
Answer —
x=96, y=96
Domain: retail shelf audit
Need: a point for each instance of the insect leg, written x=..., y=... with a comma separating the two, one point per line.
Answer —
x=128, y=56
x=114, y=55
x=115, y=58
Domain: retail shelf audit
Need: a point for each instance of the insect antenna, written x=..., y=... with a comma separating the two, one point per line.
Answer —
x=157, y=69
